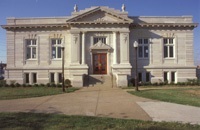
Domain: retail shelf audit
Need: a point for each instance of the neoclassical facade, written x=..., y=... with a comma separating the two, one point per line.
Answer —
x=99, y=41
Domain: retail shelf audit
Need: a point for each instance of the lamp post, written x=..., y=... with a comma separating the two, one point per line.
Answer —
x=135, y=45
x=63, y=77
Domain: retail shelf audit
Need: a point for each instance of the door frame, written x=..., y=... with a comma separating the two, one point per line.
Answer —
x=99, y=58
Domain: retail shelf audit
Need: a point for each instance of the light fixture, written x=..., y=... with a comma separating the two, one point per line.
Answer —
x=135, y=44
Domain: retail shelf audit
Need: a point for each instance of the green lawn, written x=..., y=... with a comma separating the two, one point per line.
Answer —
x=186, y=96
x=37, y=121
x=27, y=92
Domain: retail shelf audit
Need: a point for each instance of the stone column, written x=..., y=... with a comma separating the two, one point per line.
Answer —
x=83, y=48
x=115, y=47
x=75, y=48
x=124, y=48
x=55, y=78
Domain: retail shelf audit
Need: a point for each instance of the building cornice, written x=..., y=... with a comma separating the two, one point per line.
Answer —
x=29, y=26
x=132, y=25
x=163, y=25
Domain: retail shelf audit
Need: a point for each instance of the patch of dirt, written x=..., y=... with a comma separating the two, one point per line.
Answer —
x=193, y=92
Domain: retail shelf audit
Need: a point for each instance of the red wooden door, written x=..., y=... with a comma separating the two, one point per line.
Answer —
x=100, y=63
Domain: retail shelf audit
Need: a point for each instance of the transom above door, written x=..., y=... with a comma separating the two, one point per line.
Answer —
x=100, y=63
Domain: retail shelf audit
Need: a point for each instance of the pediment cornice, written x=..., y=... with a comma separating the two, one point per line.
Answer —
x=100, y=46
x=121, y=17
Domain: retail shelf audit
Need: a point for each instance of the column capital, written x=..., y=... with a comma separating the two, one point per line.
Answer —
x=83, y=32
x=75, y=31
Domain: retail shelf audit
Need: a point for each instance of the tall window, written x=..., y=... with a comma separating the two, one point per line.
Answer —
x=31, y=46
x=27, y=78
x=34, y=76
x=165, y=77
x=56, y=48
x=139, y=77
x=148, y=75
x=143, y=48
x=173, y=76
x=168, y=47
x=59, y=77
x=97, y=39
x=52, y=78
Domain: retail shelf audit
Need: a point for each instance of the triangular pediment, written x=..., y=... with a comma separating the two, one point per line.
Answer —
x=100, y=46
x=99, y=14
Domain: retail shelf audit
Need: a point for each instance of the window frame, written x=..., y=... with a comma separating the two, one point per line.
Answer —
x=142, y=44
x=102, y=38
x=57, y=46
x=167, y=45
x=33, y=44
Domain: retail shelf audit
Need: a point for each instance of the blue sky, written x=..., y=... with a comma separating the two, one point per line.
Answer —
x=49, y=8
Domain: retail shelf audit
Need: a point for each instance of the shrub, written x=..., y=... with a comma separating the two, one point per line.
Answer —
x=42, y=85
x=29, y=85
x=2, y=83
x=68, y=83
x=35, y=85
x=24, y=85
x=53, y=85
x=146, y=84
x=155, y=84
x=132, y=81
x=48, y=85
x=59, y=85
x=7, y=85
x=18, y=85
x=12, y=85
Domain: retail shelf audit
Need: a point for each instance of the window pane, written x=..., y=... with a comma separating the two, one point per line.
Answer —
x=52, y=77
x=147, y=76
x=28, y=53
x=34, y=78
x=173, y=76
x=59, y=41
x=53, y=41
x=140, y=41
x=165, y=51
x=139, y=77
x=146, y=51
x=59, y=52
x=27, y=78
x=28, y=42
x=60, y=77
x=140, y=51
x=33, y=52
x=53, y=52
x=171, y=50
x=145, y=41
x=170, y=41
x=33, y=42
x=165, y=41
x=97, y=39
x=165, y=76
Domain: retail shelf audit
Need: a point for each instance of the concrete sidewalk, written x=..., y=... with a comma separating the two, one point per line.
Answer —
x=91, y=101
x=105, y=102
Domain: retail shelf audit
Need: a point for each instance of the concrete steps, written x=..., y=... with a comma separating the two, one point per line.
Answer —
x=100, y=81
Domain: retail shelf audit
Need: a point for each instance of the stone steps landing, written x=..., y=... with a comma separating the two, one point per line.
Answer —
x=100, y=80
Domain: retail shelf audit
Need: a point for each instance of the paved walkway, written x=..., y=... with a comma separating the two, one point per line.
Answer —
x=105, y=102
x=91, y=101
